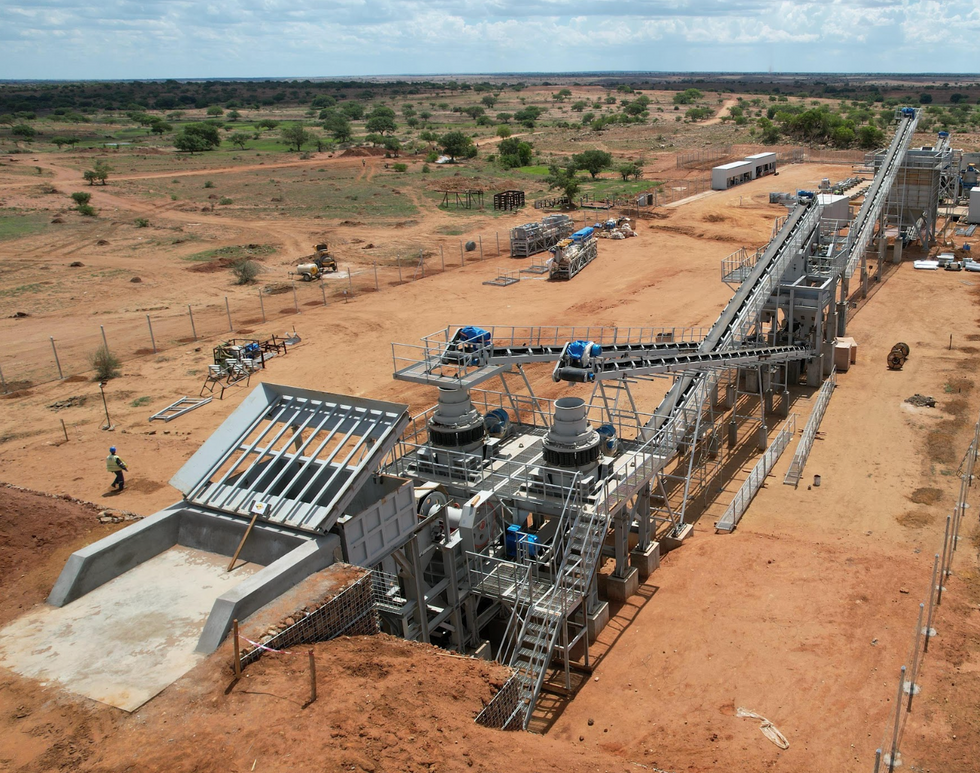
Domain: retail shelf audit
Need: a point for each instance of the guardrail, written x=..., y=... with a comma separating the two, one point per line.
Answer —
x=795, y=471
x=748, y=490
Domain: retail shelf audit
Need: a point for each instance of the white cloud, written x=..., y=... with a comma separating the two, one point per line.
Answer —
x=227, y=38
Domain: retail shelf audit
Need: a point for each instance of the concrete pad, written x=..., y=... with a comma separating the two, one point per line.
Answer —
x=619, y=589
x=128, y=639
x=646, y=562
x=598, y=620
x=670, y=543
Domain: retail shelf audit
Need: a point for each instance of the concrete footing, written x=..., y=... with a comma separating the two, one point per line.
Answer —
x=619, y=589
x=597, y=621
x=669, y=543
x=646, y=562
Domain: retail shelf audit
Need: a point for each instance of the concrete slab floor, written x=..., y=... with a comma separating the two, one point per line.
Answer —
x=127, y=640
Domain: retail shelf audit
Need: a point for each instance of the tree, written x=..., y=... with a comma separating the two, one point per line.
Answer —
x=564, y=180
x=197, y=138
x=323, y=100
x=239, y=139
x=267, y=123
x=503, y=131
x=392, y=145
x=25, y=131
x=100, y=173
x=382, y=124
x=474, y=111
x=81, y=197
x=294, y=135
x=59, y=141
x=504, y=117
x=592, y=161
x=514, y=153
x=338, y=125
x=631, y=169
x=688, y=96
x=161, y=127
x=234, y=115
x=870, y=137
x=455, y=144
x=489, y=100
x=215, y=110
x=353, y=110
x=579, y=106
x=925, y=99
x=529, y=115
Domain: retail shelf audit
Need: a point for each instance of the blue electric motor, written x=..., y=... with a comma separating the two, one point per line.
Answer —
x=513, y=535
x=496, y=422
x=610, y=441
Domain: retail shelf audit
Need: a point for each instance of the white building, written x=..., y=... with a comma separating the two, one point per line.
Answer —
x=727, y=175
x=974, y=214
x=762, y=163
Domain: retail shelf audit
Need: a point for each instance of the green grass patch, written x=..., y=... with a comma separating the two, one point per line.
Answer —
x=15, y=224
x=233, y=252
x=538, y=170
x=139, y=402
x=16, y=292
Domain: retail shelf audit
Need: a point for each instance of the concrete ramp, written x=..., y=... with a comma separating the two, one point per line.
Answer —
x=125, y=641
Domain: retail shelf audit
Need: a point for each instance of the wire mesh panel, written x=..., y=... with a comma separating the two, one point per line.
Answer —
x=349, y=613
x=501, y=712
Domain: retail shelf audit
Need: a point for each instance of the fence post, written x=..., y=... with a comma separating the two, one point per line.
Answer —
x=153, y=341
x=262, y=305
x=929, y=631
x=462, y=260
x=422, y=262
x=398, y=261
x=295, y=299
x=481, y=246
x=323, y=292
x=231, y=327
x=376, y=288
x=350, y=282
x=442, y=257
x=3, y=381
x=497, y=234
x=237, y=648
x=104, y=342
x=912, y=687
x=56, y=360
x=312, y=678
x=898, y=716
x=190, y=313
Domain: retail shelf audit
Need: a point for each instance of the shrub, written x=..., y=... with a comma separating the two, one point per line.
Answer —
x=425, y=168
x=245, y=271
x=87, y=209
x=208, y=183
x=81, y=197
x=142, y=222
x=400, y=167
x=224, y=200
x=106, y=364
x=139, y=402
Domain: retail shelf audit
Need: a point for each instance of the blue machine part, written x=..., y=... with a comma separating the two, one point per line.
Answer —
x=908, y=112
x=585, y=233
x=496, y=422
x=475, y=336
x=252, y=349
x=943, y=135
x=801, y=194
x=513, y=535
x=580, y=351
x=610, y=441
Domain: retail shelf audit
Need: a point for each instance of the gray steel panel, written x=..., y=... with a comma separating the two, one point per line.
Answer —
x=301, y=488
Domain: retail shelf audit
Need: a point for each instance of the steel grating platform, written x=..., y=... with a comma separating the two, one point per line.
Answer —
x=298, y=456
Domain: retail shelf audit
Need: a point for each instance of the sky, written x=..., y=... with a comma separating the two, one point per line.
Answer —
x=119, y=39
